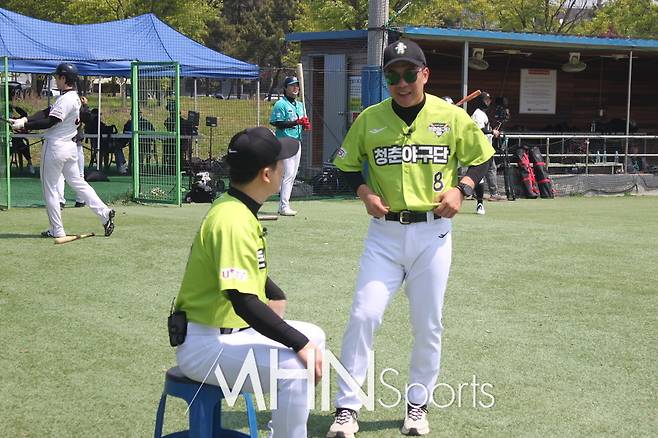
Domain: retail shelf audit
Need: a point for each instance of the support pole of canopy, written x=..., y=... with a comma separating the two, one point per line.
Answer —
x=98, y=129
x=196, y=101
x=258, y=102
x=628, y=107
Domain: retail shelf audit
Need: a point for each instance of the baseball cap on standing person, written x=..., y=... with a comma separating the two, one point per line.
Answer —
x=254, y=148
x=404, y=50
x=290, y=80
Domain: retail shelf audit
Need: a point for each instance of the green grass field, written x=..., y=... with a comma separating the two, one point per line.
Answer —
x=553, y=302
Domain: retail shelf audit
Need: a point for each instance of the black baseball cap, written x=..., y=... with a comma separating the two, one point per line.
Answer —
x=404, y=50
x=255, y=148
x=290, y=80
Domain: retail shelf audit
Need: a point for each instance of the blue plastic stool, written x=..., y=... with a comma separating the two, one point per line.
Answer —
x=205, y=413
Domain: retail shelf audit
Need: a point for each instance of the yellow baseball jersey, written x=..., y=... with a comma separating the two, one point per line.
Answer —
x=228, y=253
x=408, y=166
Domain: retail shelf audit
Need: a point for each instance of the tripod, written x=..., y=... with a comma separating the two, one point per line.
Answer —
x=211, y=122
x=507, y=172
x=210, y=149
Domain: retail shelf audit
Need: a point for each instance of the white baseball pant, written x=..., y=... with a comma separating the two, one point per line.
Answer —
x=419, y=255
x=81, y=166
x=290, y=167
x=57, y=158
x=200, y=354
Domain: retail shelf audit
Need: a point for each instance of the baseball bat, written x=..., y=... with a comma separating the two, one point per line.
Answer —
x=71, y=238
x=470, y=97
x=3, y=120
x=268, y=217
x=300, y=78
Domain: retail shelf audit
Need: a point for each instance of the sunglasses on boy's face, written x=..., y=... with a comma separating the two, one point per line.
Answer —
x=409, y=76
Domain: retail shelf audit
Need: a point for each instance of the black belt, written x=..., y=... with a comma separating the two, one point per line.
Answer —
x=228, y=331
x=406, y=217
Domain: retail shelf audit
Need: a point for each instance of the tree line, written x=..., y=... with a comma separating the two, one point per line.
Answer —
x=253, y=30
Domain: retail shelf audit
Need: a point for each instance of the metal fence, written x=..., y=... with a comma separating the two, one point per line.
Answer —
x=217, y=109
x=590, y=153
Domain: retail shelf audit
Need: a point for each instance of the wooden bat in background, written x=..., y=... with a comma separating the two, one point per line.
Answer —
x=470, y=97
x=300, y=78
x=67, y=239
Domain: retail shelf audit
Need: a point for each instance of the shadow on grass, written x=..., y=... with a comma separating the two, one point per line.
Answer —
x=318, y=423
x=19, y=236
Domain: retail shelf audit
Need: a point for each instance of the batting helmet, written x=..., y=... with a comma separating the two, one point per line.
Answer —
x=289, y=81
x=483, y=101
x=69, y=71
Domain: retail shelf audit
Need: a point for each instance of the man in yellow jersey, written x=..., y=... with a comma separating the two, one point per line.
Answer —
x=232, y=306
x=412, y=143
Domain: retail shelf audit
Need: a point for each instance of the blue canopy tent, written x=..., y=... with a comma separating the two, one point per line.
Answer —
x=106, y=49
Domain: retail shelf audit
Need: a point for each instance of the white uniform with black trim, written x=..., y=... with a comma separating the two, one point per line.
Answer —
x=59, y=155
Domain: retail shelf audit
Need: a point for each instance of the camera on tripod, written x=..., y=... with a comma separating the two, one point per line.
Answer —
x=501, y=111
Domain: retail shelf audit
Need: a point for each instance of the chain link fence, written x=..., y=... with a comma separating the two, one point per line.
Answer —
x=213, y=110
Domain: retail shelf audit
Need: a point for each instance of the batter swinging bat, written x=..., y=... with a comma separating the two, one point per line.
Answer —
x=300, y=78
x=470, y=97
x=67, y=239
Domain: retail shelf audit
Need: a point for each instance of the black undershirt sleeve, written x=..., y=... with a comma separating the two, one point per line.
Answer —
x=284, y=125
x=263, y=319
x=273, y=292
x=354, y=179
x=476, y=173
x=46, y=123
x=43, y=114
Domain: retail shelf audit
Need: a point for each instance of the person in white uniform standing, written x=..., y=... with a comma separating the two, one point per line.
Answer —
x=481, y=119
x=84, y=112
x=59, y=154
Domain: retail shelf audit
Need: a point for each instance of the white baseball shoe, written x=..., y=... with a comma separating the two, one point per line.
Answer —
x=415, y=421
x=345, y=424
x=479, y=209
x=287, y=212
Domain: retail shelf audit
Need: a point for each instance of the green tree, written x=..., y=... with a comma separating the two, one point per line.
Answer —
x=253, y=30
x=512, y=15
x=627, y=18
x=187, y=16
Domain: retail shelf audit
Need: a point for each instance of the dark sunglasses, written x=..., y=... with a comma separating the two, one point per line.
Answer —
x=409, y=76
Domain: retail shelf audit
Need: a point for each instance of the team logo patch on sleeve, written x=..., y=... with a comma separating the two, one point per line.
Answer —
x=234, y=274
x=260, y=255
x=439, y=128
x=341, y=153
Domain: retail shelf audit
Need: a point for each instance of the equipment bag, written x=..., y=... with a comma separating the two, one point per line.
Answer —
x=527, y=173
x=541, y=173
